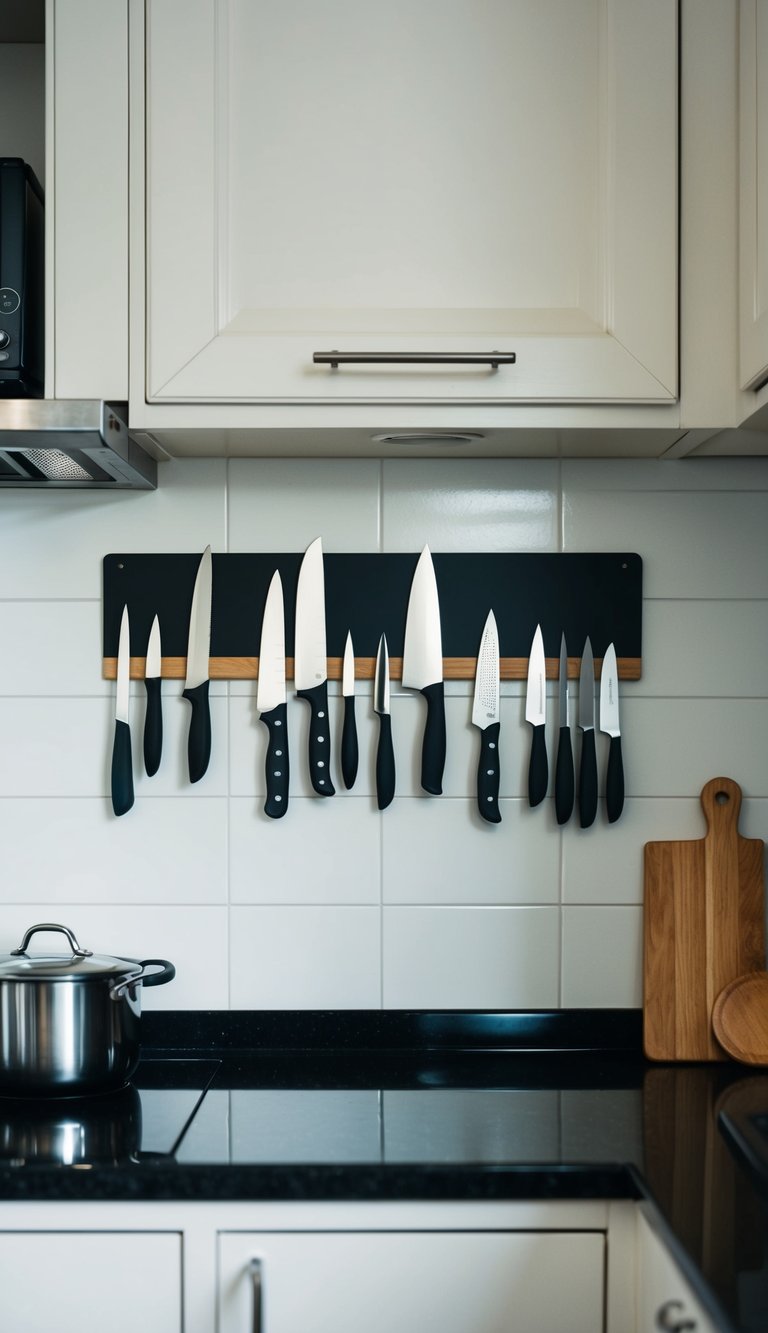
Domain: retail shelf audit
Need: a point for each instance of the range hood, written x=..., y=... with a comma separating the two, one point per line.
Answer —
x=71, y=444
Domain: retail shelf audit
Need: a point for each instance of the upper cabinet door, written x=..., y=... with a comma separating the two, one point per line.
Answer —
x=420, y=176
x=753, y=193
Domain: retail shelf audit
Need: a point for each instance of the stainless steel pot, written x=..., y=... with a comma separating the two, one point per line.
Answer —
x=69, y=1023
x=71, y=1131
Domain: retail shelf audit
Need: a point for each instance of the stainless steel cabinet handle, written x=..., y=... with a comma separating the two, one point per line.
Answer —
x=669, y=1318
x=336, y=359
x=254, y=1268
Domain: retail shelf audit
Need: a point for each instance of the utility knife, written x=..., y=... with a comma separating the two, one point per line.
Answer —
x=197, y=682
x=153, y=718
x=385, y=755
x=588, y=762
x=271, y=699
x=485, y=715
x=311, y=664
x=609, y=723
x=423, y=668
x=564, y=784
x=536, y=714
x=122, y=763
x=349, y=753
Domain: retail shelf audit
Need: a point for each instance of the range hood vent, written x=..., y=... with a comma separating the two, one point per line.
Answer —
x=71, y=444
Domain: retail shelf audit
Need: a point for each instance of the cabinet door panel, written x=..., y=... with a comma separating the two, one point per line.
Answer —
x=448, y=1282
x=753, y=183
x=432, y=177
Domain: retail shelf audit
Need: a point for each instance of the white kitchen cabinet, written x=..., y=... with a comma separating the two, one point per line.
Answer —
x=753, y=193
x=430, y=177
x=664, y=1297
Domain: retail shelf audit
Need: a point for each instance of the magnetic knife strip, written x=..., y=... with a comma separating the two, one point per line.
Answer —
x=599, y=595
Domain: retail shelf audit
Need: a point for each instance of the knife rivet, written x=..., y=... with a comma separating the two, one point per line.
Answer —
x=320, y=763
x=491, y=745
x=320, y=739
x=277, y=773
x=321, y=715
x=491, y=772
x=278, y=798
x=278, y=722
x=321, y=782
x=278, y=753
x=489, y=798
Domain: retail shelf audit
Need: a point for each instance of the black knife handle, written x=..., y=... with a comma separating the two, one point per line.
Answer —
x=588, y=779
x=122, y=770
x=538, y=768
x=433, y=744
x=319, y=739
x=564, y=783
x=349, y=754
x=385, y=763
x=614, y=781
x=199, y=739
x=276, y=768
x=488, y=774
x=153, y=726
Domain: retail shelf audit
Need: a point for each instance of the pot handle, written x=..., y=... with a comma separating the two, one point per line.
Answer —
x=143, y=978
x=77, y=952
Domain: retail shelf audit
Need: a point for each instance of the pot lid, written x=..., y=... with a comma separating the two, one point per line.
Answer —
x=77, y=965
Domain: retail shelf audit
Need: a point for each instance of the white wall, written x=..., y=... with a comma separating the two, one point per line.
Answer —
x=337, y=905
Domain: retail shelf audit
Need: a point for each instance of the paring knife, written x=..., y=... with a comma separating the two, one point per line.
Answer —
x=588, y=764
x=536, y=714
x=197, y=682
x=271, y=699
x=485, y=715
x=423, y=668
x=311, y=665
x=609, y=723
x=153, y=718
x=385, y=755
x=564, y=785
x=122, y=763
x=349, y=755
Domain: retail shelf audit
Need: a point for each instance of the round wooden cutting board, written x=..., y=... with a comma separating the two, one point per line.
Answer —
x=740, y=1018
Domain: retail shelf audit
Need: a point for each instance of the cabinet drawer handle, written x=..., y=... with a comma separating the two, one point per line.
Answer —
x=670, y=1321
x=254, y=1269
x=336, y=359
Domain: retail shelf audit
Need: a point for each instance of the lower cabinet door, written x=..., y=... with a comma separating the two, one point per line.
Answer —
x=412, y=1282
x=89, y=1282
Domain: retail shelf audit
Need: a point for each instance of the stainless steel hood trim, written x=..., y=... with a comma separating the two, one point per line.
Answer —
x=94, y=435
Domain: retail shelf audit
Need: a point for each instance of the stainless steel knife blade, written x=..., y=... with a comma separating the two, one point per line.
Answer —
x=564, y=701
x=348, y=668
x=153, y=665
x=609, y=694
x=587, y=689
x=423, y=668
x=122, y=694
x=381, y=678
x=536, y=714
x=199, y=640
x=270, y=690
x=349, y=750
x=310, y=659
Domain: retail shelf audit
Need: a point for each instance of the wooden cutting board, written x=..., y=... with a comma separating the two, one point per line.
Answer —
x=703, y=920
x=740, y=1018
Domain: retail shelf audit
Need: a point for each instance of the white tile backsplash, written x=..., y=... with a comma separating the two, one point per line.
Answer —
x=338, y=905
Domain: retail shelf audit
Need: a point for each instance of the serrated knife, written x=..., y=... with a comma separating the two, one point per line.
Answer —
x=311, y=664
x=536, y=714
x=609, y=723
x=197, y=682
x=153, y=717
x=485, y=715
x=349, y=750
x=271, y=699
x=588, y=761
x=122, y=762
x=564, y=782
x=385, y=755
x=423, y=668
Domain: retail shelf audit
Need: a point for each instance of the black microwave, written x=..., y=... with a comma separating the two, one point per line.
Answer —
x=22, y=236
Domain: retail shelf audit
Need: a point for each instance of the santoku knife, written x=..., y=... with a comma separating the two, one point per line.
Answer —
x=122, y=763
x=588, y=763
x=609, y=723
x=385, y=755
x=311, y=665
x=536, y=714
x=197, y=682
x=271, y=699
x=153, y=718
x=349, y=753
x=564, y=785
x=423, y=668
x=485, y=715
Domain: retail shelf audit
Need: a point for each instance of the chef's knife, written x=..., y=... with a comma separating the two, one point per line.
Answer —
x=153, y=718
x=536, y=714
x=564, y=767
x=588, y=764
x=271, y=699
x=609, y=723
x=423, y=668
x=311, y=665
x=197, y=682
x=385, y=755
x=122, y=763
x=349, y=756
x=485, y=715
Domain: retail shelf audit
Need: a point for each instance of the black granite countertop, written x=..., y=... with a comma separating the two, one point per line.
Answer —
x=420, y=1106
